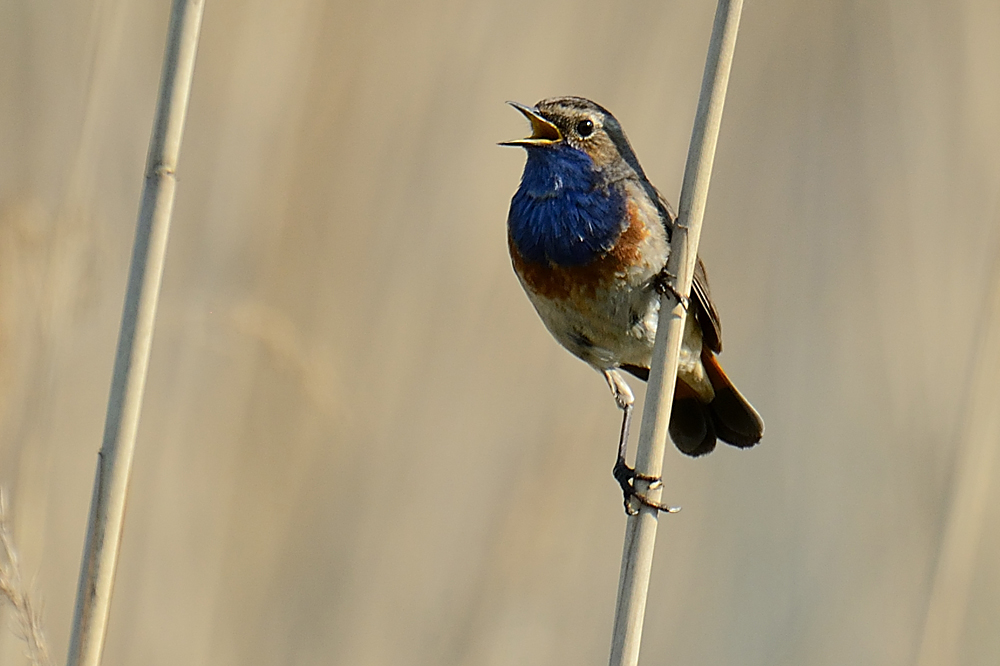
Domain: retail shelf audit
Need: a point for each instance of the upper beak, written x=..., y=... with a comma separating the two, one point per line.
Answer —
x=543, y=132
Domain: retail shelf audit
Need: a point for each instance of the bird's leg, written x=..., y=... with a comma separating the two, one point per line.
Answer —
x=624, y=474
x=626, y=401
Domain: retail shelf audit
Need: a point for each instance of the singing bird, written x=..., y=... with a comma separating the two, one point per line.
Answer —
x=589, y=238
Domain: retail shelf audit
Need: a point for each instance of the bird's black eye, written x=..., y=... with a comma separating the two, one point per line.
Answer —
x=585, y=128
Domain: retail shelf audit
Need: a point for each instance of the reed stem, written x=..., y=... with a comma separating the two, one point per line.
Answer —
x=640, y=532
x=114, y=461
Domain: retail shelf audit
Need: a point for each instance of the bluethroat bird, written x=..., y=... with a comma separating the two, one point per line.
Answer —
x=589, y=238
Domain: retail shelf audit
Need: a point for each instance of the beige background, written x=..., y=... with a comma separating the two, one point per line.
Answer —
x=359, y=444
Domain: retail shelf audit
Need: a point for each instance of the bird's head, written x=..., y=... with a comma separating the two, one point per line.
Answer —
x=578, y=123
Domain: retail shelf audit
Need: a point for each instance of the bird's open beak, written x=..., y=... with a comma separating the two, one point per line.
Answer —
x=543, y=133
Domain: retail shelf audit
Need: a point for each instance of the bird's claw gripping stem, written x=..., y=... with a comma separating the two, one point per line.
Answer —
x=665, y=284
x=626, y=477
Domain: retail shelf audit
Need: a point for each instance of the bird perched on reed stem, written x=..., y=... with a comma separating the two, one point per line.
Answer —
x=589, y=238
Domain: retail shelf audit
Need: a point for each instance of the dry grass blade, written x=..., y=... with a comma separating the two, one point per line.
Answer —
x=27, y=618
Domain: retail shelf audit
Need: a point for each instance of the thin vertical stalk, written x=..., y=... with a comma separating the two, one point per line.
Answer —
x=114, y=462
x=640, y=532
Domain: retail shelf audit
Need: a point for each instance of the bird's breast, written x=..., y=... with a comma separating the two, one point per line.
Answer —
x=604, y=311
x=637, y=255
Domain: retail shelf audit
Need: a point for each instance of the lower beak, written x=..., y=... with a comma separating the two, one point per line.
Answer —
x=543, y=132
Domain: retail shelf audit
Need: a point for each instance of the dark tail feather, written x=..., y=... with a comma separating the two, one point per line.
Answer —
x=694, y=426
x=691, y=426
x=637, y=370
x=736, y=421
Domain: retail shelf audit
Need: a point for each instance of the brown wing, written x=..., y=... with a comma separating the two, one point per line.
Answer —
x=708, y=316
x=701, y=296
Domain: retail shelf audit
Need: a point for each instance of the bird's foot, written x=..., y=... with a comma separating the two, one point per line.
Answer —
x=626, y=477
x=665, y=284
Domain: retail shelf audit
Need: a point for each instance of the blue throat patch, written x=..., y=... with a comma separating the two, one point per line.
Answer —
x=561, y=213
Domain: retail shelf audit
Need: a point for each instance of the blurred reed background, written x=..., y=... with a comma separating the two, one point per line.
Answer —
x=360, y=446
